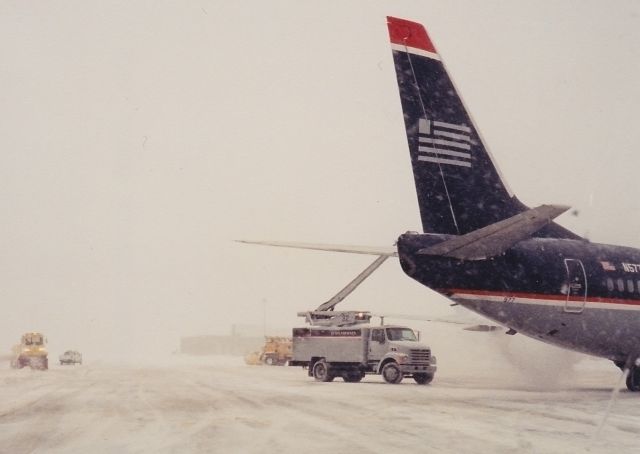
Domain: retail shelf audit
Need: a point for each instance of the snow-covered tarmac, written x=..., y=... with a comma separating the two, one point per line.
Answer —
x=219, y=404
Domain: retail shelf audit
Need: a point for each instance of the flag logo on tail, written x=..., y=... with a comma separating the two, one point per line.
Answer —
x=444, y=143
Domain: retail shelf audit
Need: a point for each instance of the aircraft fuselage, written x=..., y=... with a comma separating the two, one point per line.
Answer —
x=571, y=293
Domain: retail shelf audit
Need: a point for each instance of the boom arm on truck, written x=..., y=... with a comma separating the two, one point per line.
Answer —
x=325, y=314
x=351, y=286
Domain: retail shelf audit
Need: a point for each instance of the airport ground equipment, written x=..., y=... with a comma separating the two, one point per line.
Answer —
x=276, y=351
x=345, y=344
x=70, y=357
x=31, y=352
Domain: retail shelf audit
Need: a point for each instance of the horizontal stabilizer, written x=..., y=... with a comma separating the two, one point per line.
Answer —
x=496, y=238
x=388, y=251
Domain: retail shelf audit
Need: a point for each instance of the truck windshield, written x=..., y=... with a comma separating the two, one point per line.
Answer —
x=401, y=334
x=33, y=340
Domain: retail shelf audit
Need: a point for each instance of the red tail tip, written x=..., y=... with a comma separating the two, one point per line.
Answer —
x=410, y=34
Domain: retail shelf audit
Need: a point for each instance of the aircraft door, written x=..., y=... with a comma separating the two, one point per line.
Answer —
x=576, y=286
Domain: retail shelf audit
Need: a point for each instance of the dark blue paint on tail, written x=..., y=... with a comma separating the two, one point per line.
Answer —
x=459, y=187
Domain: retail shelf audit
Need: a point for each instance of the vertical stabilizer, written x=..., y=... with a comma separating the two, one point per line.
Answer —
x=459, y=186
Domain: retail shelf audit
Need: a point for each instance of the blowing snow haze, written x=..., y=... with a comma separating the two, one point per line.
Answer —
x=138, y=140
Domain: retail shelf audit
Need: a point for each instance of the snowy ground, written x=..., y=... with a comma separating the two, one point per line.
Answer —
x=219, y=404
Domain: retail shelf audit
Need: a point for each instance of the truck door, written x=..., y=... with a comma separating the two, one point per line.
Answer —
x=576, y=286
x=377, y=344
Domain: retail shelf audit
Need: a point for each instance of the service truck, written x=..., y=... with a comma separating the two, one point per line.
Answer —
x=276, y=351
x=30, y=352
x=70, y=357
x=345, y=344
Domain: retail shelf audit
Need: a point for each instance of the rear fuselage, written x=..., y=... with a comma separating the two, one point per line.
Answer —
x=571, y=293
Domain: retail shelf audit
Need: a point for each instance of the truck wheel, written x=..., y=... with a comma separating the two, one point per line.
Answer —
x=353, y=377
x=423, y=379
x=391, y=373
x=633, y=379
x=321, y=371
x=269, y=361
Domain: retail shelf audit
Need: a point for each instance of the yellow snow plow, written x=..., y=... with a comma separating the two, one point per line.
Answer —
x=30, y=352
x=275, y=352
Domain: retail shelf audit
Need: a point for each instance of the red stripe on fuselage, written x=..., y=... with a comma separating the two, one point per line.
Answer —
x=409, y=34
x=538, y=296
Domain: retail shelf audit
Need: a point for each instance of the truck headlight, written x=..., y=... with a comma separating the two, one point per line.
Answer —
x=402, y=358
x=434, y=360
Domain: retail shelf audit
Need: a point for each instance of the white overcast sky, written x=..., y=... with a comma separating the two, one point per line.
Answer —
x=139, y=138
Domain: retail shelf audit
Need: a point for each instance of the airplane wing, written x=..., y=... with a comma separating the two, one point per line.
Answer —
x=382, y=253
x=388, y=251
x=496, y=238
x=476, y=323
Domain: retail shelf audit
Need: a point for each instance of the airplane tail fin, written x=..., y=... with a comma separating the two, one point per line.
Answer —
x=459, y=187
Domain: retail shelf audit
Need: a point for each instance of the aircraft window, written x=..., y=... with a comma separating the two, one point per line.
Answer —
x=630, y=285
x=609, y=284
x=620, y=283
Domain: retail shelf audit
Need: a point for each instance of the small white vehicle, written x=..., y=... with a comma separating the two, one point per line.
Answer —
x=71, y=357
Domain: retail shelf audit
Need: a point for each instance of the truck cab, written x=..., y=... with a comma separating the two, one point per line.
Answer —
x=395, y=352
